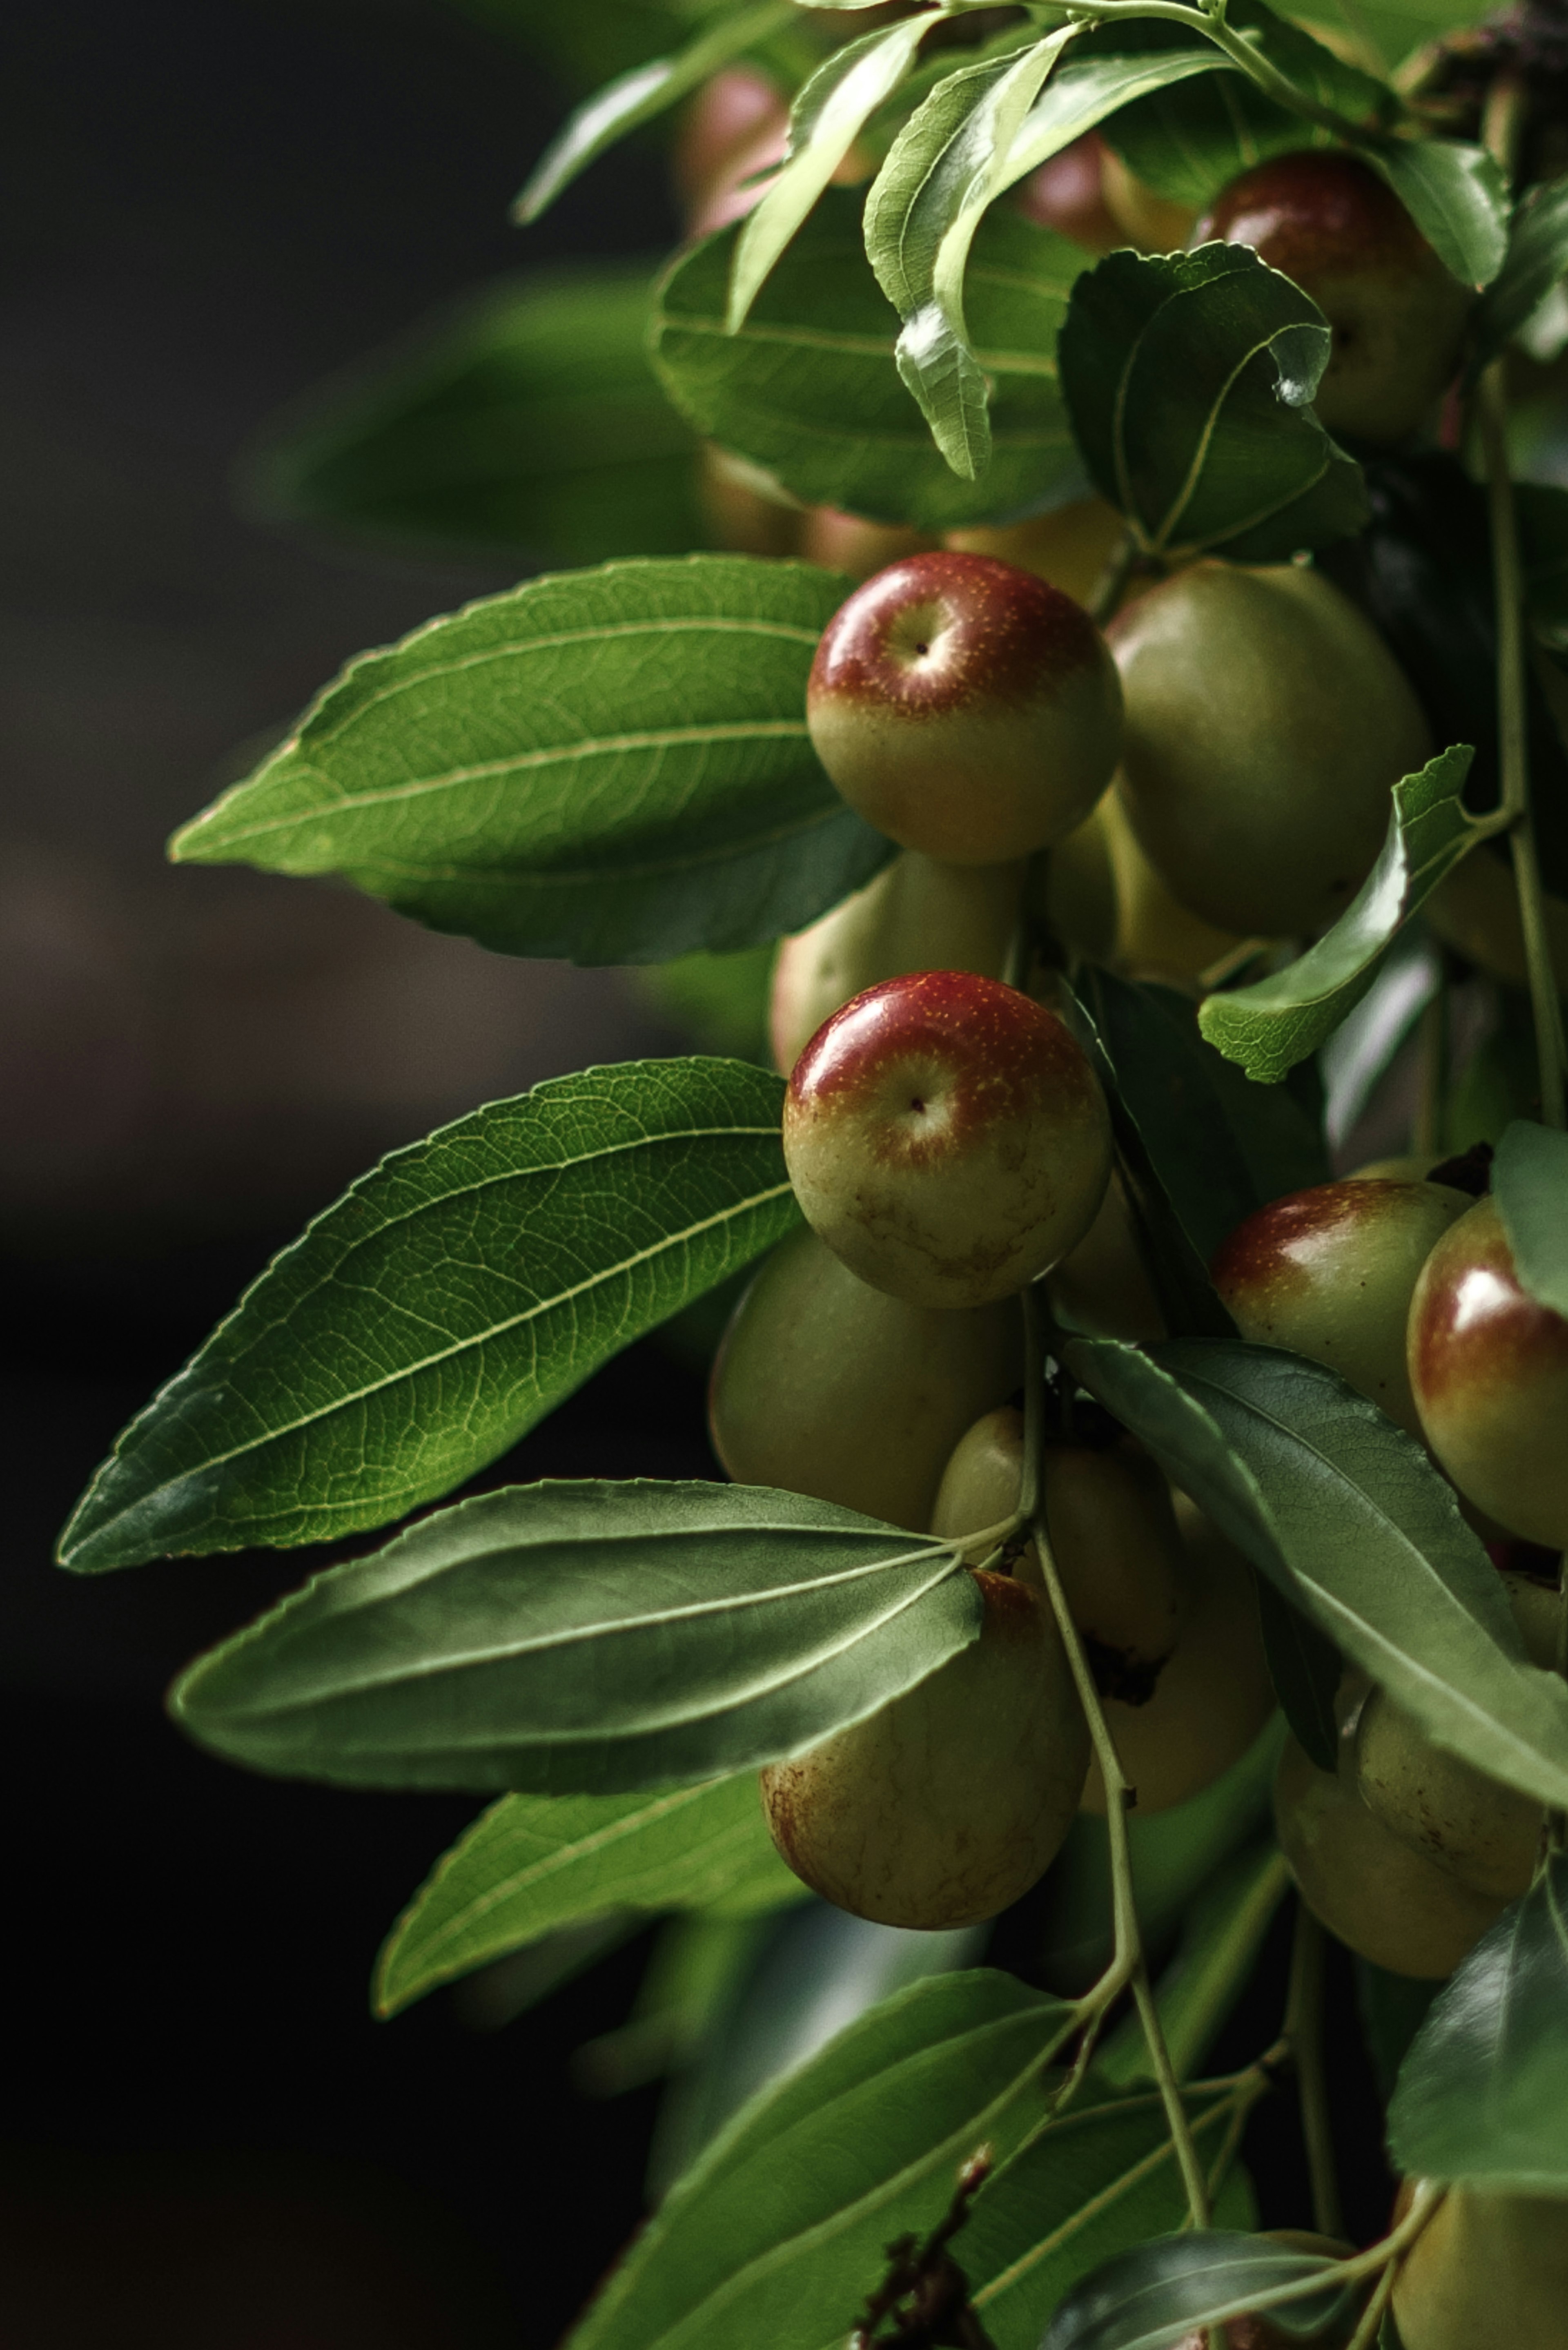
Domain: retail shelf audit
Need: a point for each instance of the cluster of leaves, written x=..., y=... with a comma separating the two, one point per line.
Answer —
x=612, y=764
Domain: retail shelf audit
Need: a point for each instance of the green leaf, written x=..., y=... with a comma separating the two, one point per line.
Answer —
x=1305, y=1669
x=584, y=1638
x=1188, y=379
x=1457, y=196
x=1221, y=1147
x=824, y=122
x=1101, y=2178
x=1537, y=260
x=1190, y=141
x=943, y=170
x=776, y=2235
x=1088, y=90
x=1482, y=2094
x=1279, y=1021
x=526, y=418
x=1149, y=2297
x=532, y=1863
x=1530, y=1182
x=695, y=1972
x=1222, y=1935
x=809, y=387
x=638, y=95
x=609, y=766
x=449, y=1300
x=1345, y=1512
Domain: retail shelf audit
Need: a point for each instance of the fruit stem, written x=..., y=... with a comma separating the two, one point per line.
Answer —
x=1111, y=586
x=1128, y=1967
x=1303, y=2029
x=1371, y=2324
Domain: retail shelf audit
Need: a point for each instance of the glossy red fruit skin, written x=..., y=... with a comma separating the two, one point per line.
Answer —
x=1488, y=1369
x=965, y=707
x=947, y=1137
x=1325, y=219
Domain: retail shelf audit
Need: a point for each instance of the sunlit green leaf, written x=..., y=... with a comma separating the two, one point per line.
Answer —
x=1529, y=1183
x=1088, y=90
x=450, y=1300
x=1345, y=1512
x=532, y=1864
x=608, y=765
x=1279, y=1021
x=584, y=1638
x=638, y=95
x=1457, y=198
x=1190, y=378
x=1149, y=2298
x=1482, y=2094
x=809, y=387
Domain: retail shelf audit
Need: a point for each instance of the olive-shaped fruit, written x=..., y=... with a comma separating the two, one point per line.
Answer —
x=1113, y=1536
x=948, y=1803
x=1330, y=1273
x=947, y=1137
x=1156, y=937
x=1267, y=724
x=1213, y=1694
x=917, y=915
x=1070, y=546
x=1488, y=2272
x=1325, y=219
x=1488, y=1369
x=965, y=707
x=1485, y=1834
x=1103, y=1287
x=1476, y=909
x=824, y=1387
x=854, y=543
x=1384, y=1901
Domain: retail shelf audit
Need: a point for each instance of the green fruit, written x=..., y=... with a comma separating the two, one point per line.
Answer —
x=1487, y=2272
x=1330, y=1273
x=1483, y=1833
x=947, y=1137
x=827, y=1387
x=1113, y=1536
x=1389, y=1904
x=1488, y=1369
x=965, y=707
x=918, y=915
x=1266, y=726
x=1328, y=220
x=1103, y=1287
x=951, y=1802
x=1213, y=1694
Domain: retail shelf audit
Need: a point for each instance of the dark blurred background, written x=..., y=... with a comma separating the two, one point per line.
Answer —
x=205, y=2142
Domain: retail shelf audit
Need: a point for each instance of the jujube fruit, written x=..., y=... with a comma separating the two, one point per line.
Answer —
x=948, y=1803
x=1328, y=222
x=1070, y=546
x=1112, y=1531
x=917, y=915
x=1488, y=1369
x=1213, y=1694
x=824, y=1387
x=1155, y=934
x=947, y=1137
x=965, y=707
x=1476, y=909
x=1330, y=1273
x=1266, y=724
x=1103, y=1286
x=857, y=545
x=1384, y=1901
x=1150, y=221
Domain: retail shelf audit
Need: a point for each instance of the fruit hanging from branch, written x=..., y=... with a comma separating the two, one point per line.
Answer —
x=965, y=707
x=948, y=1137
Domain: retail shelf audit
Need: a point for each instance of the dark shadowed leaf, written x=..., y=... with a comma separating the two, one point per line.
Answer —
x=809, y=386
x=1279, y=1021
x=590, y=1639
x=1530, y=1182
x=527, y=419
x=1482, y=2096
x=450, y=1300
x=1305, y=1668
x=607, y=765
x=1221, y=1935
x=1345, y=1512
x=1190, y=378
x=1146, y=2299
x=1537, y=259
x=532, y=1863
x=1455, y=195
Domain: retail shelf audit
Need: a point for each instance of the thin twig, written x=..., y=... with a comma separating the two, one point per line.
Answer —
x=1366, y=2333
x=1111, y=586
x=1303, y=2029
x=1128, y=1966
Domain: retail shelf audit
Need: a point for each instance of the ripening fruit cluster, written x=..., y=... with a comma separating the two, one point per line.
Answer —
x=1212, y=767
x=1407, y=1288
